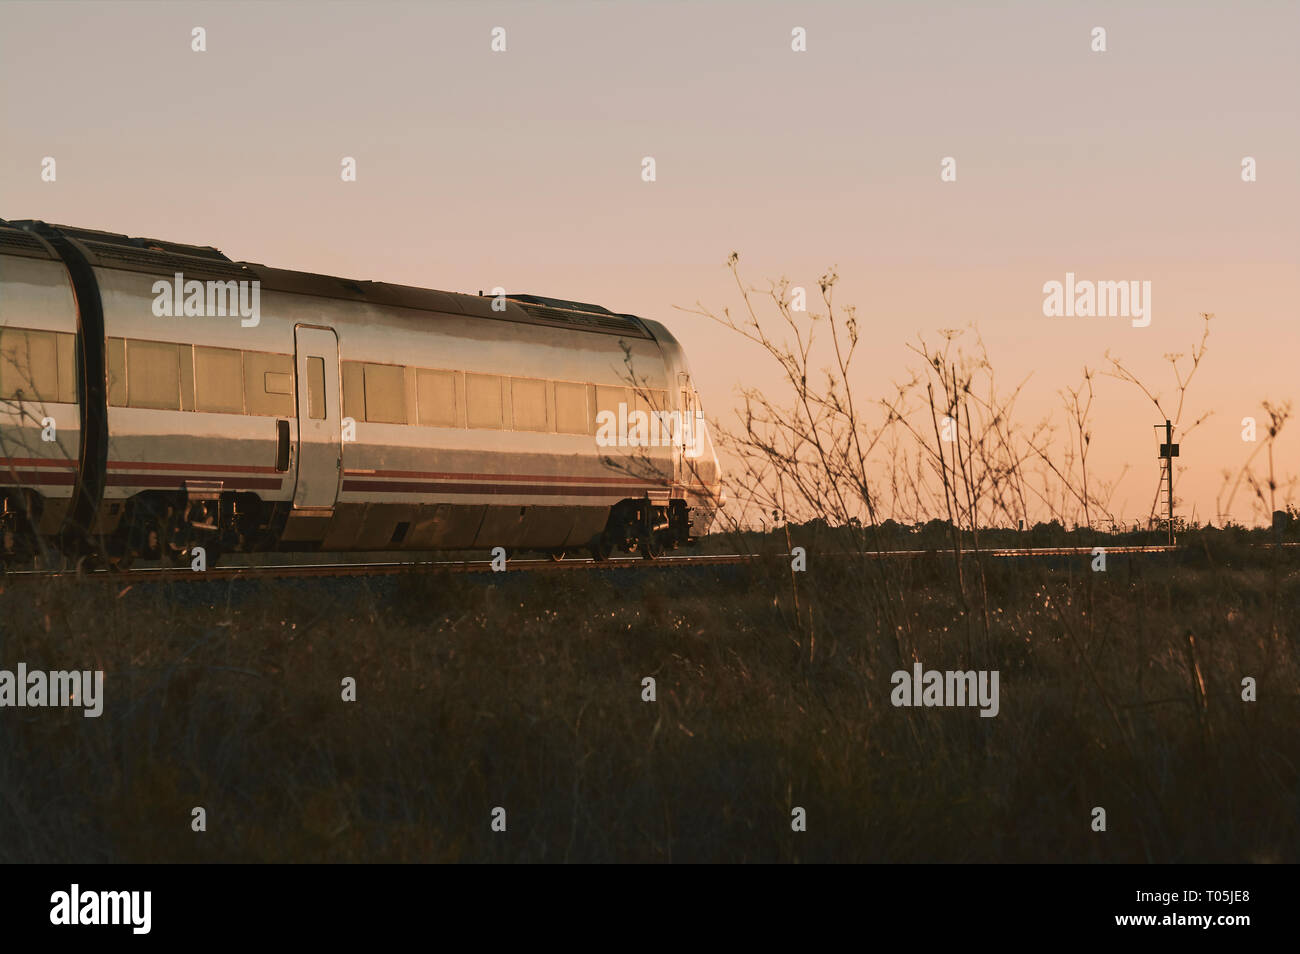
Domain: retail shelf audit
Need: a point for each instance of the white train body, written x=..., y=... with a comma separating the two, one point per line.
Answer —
x=338, y=416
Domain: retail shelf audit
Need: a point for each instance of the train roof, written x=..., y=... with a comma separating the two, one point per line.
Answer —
x=16, y=241
x=203, y=262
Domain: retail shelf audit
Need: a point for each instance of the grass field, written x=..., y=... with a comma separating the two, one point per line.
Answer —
x=525, y=692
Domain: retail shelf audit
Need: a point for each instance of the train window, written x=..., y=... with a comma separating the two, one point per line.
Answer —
x=571, y=408
x=483, y=400
x=354, y=391
x=650, y=400
x=436, y=396
x=528, y=403
x=67, y=368
x=153, y=371
x=608, y=399
x=218, y=380
x=29, y=365
x=385, y=393
x=277, y=382
x=117, y=372
x=316, y=388
x=268, y=384
x=186, y=355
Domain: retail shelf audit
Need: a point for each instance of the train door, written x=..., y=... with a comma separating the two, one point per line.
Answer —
x=320, y=439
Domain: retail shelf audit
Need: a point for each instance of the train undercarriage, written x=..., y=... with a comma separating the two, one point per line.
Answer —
x=166, y=527
x=645, y=527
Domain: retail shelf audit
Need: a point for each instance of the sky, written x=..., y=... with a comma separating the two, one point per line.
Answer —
x=523, y=169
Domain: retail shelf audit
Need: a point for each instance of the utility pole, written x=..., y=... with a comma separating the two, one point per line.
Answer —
x=1168, y=451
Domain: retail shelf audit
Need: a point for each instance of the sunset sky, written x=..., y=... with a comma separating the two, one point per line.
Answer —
x=523, y=169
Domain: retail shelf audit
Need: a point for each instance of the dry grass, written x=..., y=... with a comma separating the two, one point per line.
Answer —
x=525, y=692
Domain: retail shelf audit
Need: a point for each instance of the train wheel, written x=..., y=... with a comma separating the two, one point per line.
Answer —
x=649, y=542
x=151, y=544
x=651, y=546
x=12, y=552
x=183, y=558
x=18, y=549
x=171, y=548
x=122, y=561
x=557, y=555
x=600, y=549
x=177, y=542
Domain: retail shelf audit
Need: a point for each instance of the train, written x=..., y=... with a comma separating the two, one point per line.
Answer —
x=157, y=397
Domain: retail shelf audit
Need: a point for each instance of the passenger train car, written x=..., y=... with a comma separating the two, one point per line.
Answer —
x=155, y=397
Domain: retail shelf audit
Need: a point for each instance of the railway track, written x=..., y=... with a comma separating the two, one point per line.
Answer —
x=288, y=571
x=616, y=564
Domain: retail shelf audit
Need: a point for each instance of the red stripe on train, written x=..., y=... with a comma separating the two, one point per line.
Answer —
x=178, y=482
x=36, y=462
x=225, y=468
x=424, y=487
x=535, y=478
x=25, y=477
x=138, y=465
